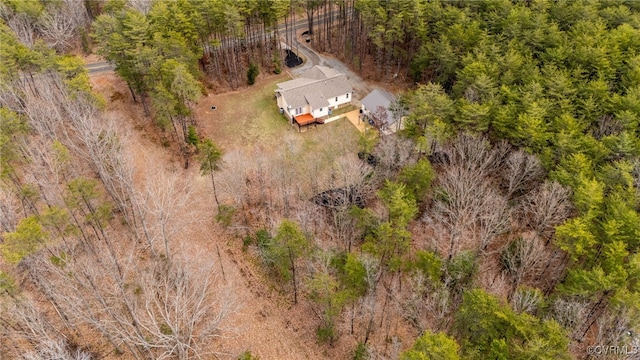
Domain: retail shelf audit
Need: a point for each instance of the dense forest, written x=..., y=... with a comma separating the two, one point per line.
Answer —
x=502, y=221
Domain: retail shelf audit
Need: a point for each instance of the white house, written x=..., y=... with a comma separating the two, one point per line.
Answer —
x=375, y=109
x=310, y=98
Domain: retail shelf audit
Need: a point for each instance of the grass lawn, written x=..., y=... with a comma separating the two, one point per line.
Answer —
x=249, y=118
x=245, y=116
x=344, y=109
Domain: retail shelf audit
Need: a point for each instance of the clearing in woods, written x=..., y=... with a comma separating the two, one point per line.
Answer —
x=249, y=117
x=245, y=120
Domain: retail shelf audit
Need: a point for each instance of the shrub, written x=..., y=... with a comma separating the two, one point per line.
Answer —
x=361, y=352
x=326, y=334
x=277, y=63
x=225, y=215
x=263, y=238
x=192, y=136
x=252, y=73
x=247, y=355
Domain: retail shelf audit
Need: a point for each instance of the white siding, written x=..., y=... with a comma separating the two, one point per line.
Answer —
x=303, y=110
x=364, y=110
x=342, y=99
x=320, y=112
x=282, y=104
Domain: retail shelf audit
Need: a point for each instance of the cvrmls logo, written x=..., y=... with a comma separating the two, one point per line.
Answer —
x=613, y=350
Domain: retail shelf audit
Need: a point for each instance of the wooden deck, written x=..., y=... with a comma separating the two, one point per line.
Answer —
x=305, y=119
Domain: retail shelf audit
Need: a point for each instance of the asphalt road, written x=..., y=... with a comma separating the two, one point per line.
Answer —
x=99, y=67
x=313, y=59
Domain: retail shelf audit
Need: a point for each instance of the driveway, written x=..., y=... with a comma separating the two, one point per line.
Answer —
x=360, y=88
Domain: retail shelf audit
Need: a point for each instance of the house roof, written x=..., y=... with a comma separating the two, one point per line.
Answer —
x=314, y=87
x=378, y=98
x=319, y=72
x=316, y=100
x=292, y=84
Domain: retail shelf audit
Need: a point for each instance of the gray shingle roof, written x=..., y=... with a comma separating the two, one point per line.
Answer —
x=314, y=87
x=319, y=72
x=316, y=100
x=379, y=98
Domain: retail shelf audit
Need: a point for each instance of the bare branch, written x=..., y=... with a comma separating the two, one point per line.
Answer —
x=143, y=6
x=494, y=218
x=522, y=257
x=24, y=28
x=526, y=300
x=521, y=172
x=544, y=208
x=569, y=313
x=59, y=22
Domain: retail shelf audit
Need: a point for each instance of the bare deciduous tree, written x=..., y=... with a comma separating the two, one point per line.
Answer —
x=458, y=205
x=59, y=350
x=368, y=304
x=59, y=23
x=157, y=307
x=24, y=28
x=9, y=210
x=521, y=171
x=438, y=304
x=143, y=6
x=494, y=218
x=522, y=257
x=546, y=207
x=234, y=177
x=165, y=209
x=616, y=327
x=348, y=170
x=29, y=326
x=426, y=306
x=184, y=310
x=347, y=185
x=466, y=206
x=392, y=154
x=526, y=299
x=569, y=313
x=57, y=28
x=608, y=125
x=343, y=230
x=414, y=309
x=475, y=155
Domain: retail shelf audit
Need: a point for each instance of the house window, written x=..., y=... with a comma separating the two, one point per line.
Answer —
x=320, y=109
x=298, y=111
x=347, y=95
x=336, y=98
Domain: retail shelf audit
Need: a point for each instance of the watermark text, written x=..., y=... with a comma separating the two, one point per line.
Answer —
x=613, y=350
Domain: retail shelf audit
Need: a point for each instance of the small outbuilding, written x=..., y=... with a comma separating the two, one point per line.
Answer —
x=376, y=109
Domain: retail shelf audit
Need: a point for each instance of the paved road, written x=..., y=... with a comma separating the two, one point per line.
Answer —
x=99, y=67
